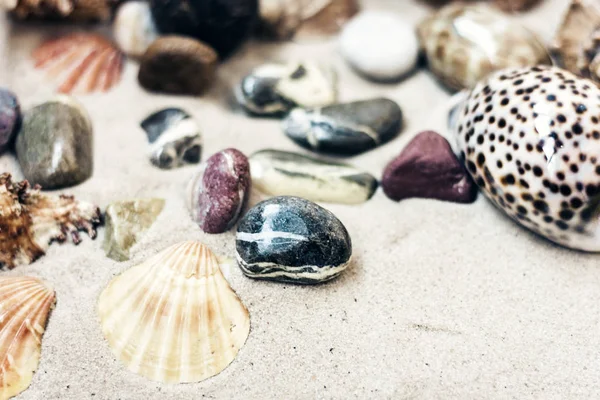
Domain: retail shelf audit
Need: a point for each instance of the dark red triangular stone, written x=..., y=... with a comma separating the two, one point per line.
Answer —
x=428, y=168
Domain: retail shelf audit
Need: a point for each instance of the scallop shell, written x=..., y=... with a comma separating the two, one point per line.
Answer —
x=81, y=62
x=174, y=318
x=531, y=141
x=31, y=220
x=25, y=304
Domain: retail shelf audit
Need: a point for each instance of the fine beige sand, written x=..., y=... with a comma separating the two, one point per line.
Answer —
x=442, y=300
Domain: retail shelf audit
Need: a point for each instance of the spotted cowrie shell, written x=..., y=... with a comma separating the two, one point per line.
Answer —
x=530, y=138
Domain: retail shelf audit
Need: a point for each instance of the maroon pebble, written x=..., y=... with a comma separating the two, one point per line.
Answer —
x=219, y=193
x=427, y=168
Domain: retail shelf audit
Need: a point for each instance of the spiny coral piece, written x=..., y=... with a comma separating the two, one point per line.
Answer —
x=74, y=10
x=82, y=62
x=25, y=303
x=30, y=221
x=174, y=318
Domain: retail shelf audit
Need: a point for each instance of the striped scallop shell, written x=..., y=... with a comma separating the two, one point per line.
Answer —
x=25, y=303
x=174, y=318
x=80, y=62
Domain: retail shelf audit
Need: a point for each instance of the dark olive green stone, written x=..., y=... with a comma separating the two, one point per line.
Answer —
x=55, y=145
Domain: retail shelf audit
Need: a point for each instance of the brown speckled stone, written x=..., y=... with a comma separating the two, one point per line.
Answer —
x=428, y=168
x=218, y=194
x=178, y=65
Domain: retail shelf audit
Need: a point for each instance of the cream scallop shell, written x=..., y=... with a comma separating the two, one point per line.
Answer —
x=25, y=303
x=174, y=318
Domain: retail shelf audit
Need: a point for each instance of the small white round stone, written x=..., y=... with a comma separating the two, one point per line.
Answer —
x=380, y=45
x=134, y=29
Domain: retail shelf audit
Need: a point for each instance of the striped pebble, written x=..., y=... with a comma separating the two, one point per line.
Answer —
x=290, y=239
x=346, y=128
x=280, y=173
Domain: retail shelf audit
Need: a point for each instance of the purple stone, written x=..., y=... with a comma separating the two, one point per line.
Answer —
x=10, y=118
x=219, y=192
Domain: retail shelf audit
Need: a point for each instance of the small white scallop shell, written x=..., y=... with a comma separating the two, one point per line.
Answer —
x=25, y=303
x=174, y=318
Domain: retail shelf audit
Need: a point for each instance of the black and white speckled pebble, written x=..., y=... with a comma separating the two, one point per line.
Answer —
x=175, y=138
x=290, y=239
x=345, y=129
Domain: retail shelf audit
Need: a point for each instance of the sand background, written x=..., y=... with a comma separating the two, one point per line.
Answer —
x=442, y=300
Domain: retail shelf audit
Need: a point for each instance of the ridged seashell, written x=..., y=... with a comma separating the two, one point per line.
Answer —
x=174, y=318
x=466, y=42
x=81, y=62
x=531, y=141
x=31, y=220
x=73, y=10
x=25, y=304
x=577, y=42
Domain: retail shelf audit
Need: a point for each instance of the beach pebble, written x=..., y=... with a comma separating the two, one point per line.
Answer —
x=178, y=65
x=126, y=223
x=134, y=29
x=218, y=194
x=10, y=118
x=279, y=173
x=290, y=239
x=274, y=89
x=223, y=24
x=345, y=129
x=174, y=137
x=55, y=144
x=380, y=45
x=464, y=43
x=427, y=168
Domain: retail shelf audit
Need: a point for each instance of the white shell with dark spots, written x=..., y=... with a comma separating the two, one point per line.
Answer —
x=530, y=138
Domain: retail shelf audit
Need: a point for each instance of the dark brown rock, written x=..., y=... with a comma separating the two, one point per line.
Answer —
x=218, y=194
x=428, y=168
x=55, y=144
x=178, y=65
